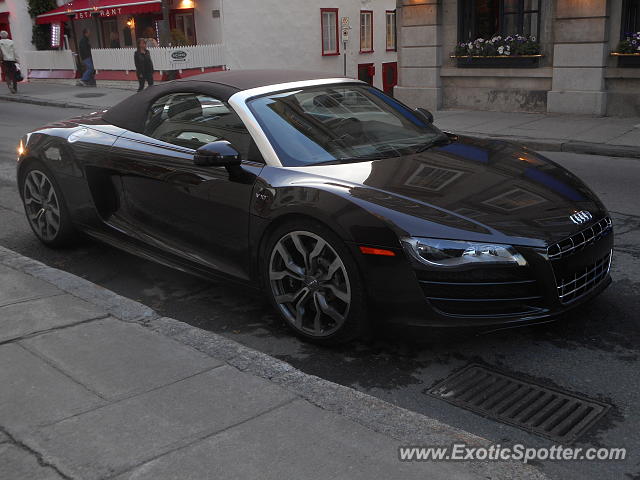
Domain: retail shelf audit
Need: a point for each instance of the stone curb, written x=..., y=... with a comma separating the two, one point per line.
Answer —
x=408, y=428
x=48, y=103
x=570, y=146
x=549, y=145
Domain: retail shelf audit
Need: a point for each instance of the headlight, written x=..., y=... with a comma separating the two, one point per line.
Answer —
x=450, y=253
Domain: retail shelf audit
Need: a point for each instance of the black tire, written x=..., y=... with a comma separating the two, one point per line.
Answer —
x=65, y=235
x=346, y=279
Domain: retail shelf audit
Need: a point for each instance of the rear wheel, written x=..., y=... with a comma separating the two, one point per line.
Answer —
x=45, y=208
x=314, y=283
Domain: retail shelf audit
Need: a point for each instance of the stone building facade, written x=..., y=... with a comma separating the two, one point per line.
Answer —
x=576, y=73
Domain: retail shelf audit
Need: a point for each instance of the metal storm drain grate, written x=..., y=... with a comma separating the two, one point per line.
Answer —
x=560, y=416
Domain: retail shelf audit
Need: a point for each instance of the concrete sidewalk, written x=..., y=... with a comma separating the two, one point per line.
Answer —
x=610, y=136
x=97, y=386
x=69, y=96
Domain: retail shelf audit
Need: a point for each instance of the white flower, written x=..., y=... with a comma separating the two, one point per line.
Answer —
x=500, y=50
x=533, y=39
x=480, y=40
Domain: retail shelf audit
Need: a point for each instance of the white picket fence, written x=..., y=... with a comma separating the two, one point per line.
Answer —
x=164, y=58
x=48, y=60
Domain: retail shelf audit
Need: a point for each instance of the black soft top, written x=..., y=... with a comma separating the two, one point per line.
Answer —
x=131, y=113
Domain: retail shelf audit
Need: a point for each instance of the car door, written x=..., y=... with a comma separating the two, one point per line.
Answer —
x=199, y=213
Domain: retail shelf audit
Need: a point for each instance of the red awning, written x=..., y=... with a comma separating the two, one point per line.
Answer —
x=106, y=8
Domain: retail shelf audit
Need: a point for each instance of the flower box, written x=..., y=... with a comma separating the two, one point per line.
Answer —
x=628, y=50
x=498, y=61
x=627, y=60
x=511, y=51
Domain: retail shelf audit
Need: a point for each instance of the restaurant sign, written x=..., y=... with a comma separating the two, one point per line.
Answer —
x=179, y=56
x=103, y=12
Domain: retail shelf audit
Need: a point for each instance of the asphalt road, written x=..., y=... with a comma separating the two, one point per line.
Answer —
x=593, y=351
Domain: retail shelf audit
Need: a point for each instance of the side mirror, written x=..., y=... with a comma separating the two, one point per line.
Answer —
x=425, y=114
x=217, y=154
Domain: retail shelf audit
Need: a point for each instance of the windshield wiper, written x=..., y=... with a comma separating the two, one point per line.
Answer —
x=444, y=140
x=341, y=160
x=355, y=159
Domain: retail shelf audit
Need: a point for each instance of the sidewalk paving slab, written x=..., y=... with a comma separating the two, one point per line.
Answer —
x=18, y=464
x=34, y=393
x=19, y=288
x=117, y=359
x=252, y=415
x=111, y=439
x=297, y=440
x=26, y=318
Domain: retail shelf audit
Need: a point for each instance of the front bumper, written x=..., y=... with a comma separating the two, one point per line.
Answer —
x=407, y=292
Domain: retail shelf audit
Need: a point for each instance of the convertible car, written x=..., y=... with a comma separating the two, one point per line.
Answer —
x=344, y=205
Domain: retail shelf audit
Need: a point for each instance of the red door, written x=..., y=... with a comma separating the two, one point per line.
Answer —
x=389, y=77
x=366, y=72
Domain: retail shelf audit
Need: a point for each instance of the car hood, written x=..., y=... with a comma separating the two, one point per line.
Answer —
x=471, y=188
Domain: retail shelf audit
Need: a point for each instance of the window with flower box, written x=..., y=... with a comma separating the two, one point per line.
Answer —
x=628, y=50
x=488, y=18
x=630, y=18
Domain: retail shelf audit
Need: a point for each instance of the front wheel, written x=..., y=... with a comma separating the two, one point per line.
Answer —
x=314, y=283
x=45, y=208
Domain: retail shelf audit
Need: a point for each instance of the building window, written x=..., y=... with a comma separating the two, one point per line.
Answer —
x=487, y=18
x=630, y=17
x=391, y=31
x=366, y=31
x=184, y=23
x=329, y=20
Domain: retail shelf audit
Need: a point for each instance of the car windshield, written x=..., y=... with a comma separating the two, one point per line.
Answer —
x=339, y=124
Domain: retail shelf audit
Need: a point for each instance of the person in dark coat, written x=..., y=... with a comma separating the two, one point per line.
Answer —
x=84, y=50
x=144, y=65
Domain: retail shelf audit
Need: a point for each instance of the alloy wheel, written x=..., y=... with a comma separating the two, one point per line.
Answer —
x=42, y=205
x=310, y=283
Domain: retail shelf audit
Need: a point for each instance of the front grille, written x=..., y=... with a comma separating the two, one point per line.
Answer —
x=572, y=287
x=485, y=292
x=580, y=240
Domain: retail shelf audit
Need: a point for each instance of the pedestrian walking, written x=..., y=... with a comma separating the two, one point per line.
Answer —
x=9, y=59
x=144, y=64
x=85, y=57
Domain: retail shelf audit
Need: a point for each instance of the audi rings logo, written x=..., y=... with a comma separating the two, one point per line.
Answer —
x=581, y=217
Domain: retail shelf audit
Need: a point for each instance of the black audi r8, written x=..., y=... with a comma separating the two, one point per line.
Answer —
x=342, y=203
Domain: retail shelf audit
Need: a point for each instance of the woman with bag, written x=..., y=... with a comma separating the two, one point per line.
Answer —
x=144, y=65
x=9, y=59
